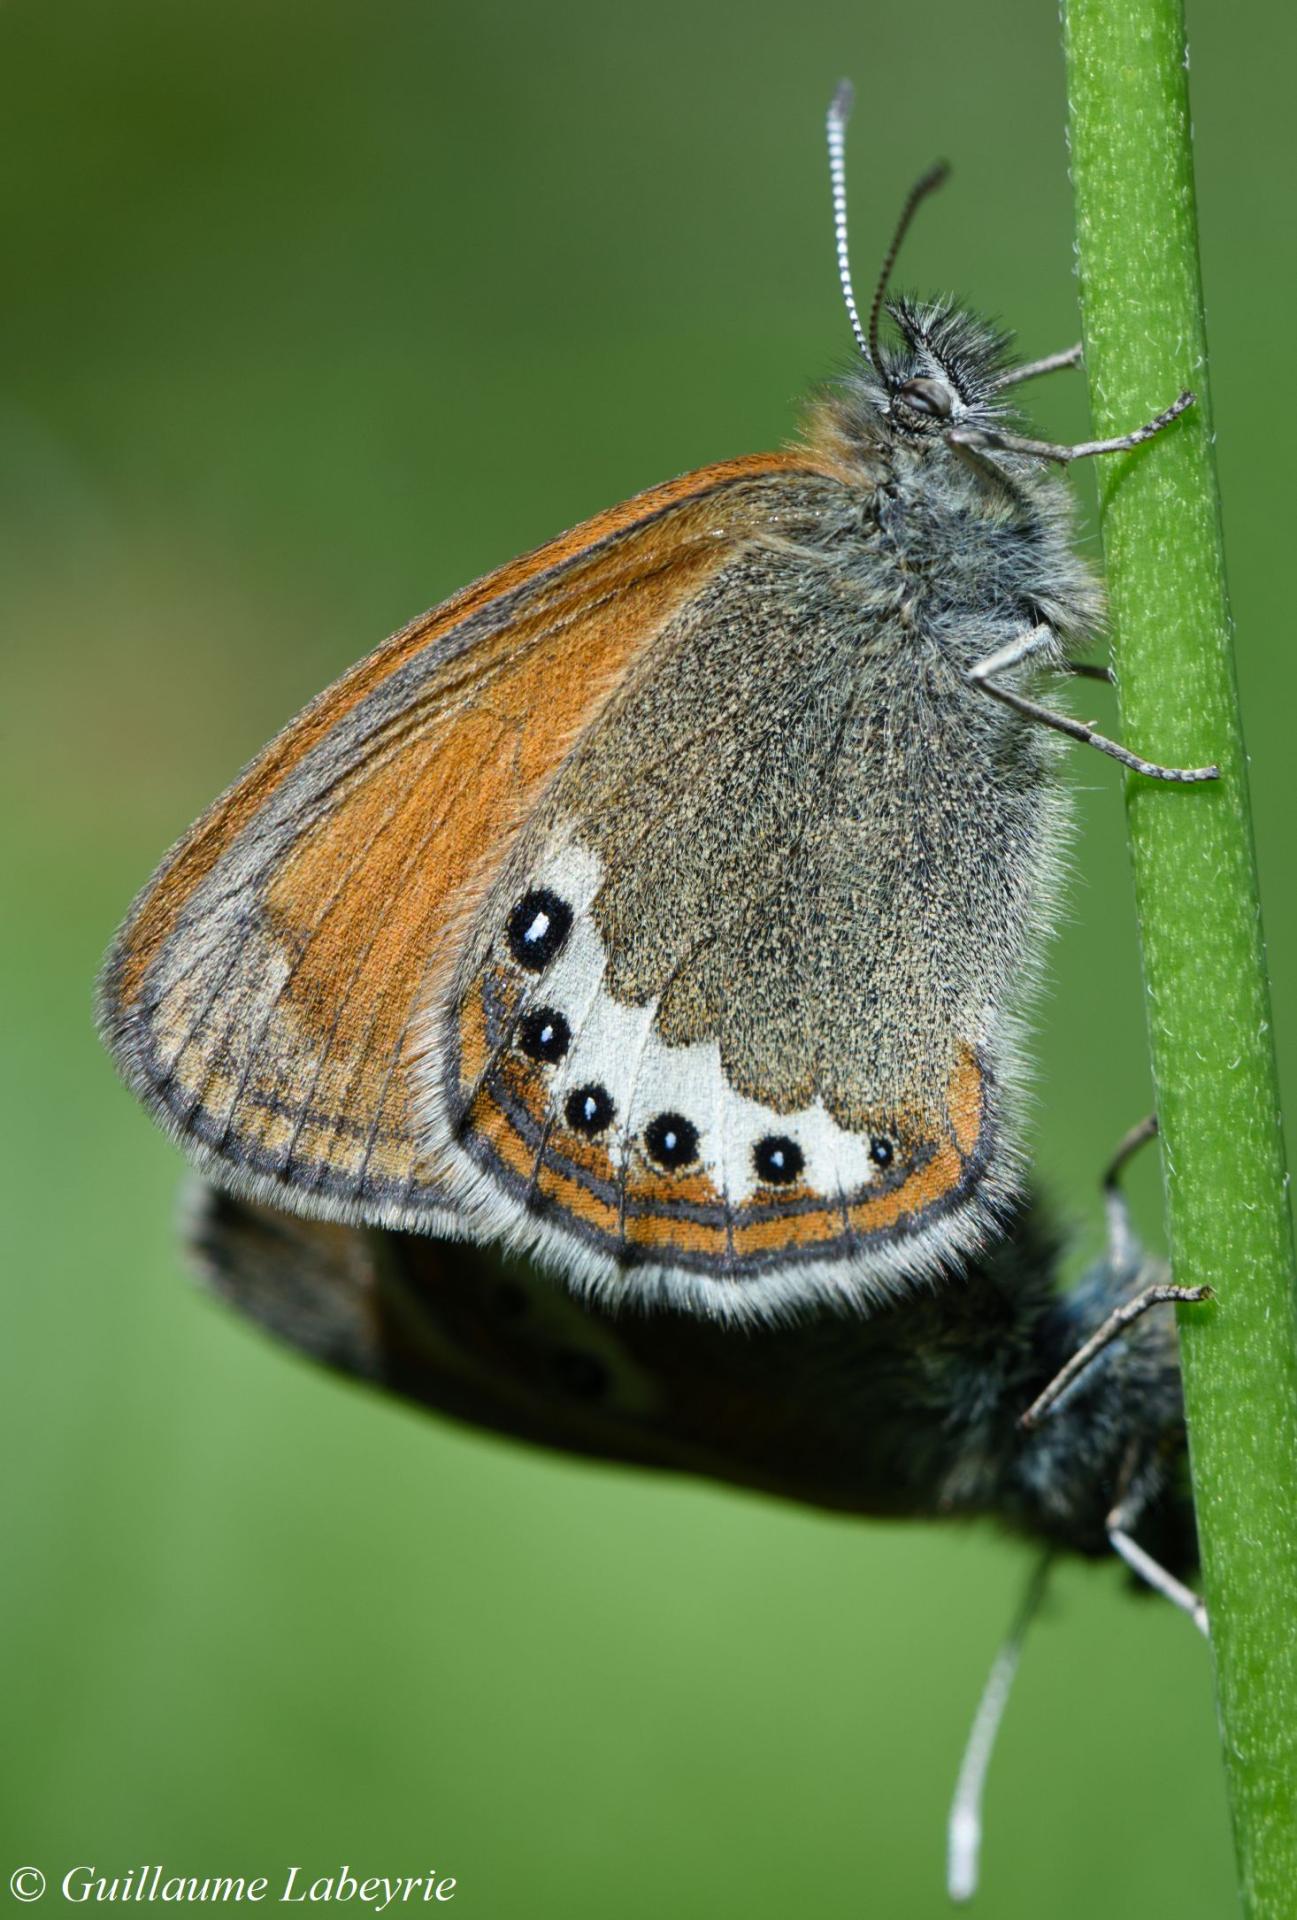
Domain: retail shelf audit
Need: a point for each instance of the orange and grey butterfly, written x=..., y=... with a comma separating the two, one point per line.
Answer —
x=658, y=904
x=654, y=782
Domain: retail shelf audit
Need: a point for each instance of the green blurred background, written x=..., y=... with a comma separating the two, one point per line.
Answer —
x=313, y=313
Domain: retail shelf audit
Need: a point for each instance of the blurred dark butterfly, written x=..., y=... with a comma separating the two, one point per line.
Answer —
x=917, y=1410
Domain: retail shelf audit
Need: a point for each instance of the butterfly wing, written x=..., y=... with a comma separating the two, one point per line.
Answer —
x=718, y=1035
x=261, y=994
x=454, y=1329
x=864, y=1415
x=618, y=909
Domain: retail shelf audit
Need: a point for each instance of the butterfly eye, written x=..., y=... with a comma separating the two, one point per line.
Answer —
x=671, y=1140
x=930, y=397
x=777, y=1159
x=589, y=1110
x=537, y=928
x=543, y=1034
x=881, y=1151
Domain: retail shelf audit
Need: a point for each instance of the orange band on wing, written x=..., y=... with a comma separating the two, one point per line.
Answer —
x=636, y=1211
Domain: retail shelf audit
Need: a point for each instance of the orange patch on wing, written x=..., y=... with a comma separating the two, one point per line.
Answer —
x=939, y=1177
x=571, y=1196
x=932, y=1182
x=474, y=1047
x=818, y=1225
x=945, y=1171
x=590, y=1156
x=668, y=1232
x=527, y=1085
x=650, y=1221
x=563, y=1189
x=965, y=1102
x=462, y=784
x=647, y=1223
x=490, y=1122
x=662, y=532
x=648, y=1188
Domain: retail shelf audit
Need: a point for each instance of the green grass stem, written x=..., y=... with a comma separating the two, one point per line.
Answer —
x=1196, y=893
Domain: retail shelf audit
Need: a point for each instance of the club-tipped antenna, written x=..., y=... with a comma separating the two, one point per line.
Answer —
x=836, y=128
x=929, y=183
x=964, y=1828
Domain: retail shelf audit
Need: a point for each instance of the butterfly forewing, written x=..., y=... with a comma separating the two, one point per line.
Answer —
x=262, y=992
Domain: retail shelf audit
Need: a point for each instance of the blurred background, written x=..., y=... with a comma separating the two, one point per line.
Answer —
x=313, y=313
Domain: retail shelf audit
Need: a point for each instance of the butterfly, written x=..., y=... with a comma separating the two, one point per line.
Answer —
x=662, y=906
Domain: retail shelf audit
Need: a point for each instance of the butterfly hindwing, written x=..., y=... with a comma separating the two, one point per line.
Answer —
x=696, y=1049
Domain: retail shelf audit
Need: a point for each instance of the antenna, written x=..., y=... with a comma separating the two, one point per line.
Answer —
x=836, y=129
x=929, y=183
x=964, y=1832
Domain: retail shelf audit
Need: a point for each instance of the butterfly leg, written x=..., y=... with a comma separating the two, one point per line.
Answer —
x=1112, y=1329
x=1123, y=1257
x=1089, y=670
x=991, y=440
x=1123, y=1248
x=1012, y=655
x=1130, y=1504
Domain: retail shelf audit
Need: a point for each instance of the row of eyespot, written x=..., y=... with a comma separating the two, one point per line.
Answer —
x=669, y=1138
x=537, y=929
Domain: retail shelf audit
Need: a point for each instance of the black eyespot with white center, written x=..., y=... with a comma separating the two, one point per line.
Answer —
x=543, y=1034
x=589, y=1110
x=778, y=1160
x=881, y=1151
x=671, y=1140
x=537, y=928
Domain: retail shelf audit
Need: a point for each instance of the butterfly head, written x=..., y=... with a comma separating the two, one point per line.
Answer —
x=948, y=364
x=945, y=370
